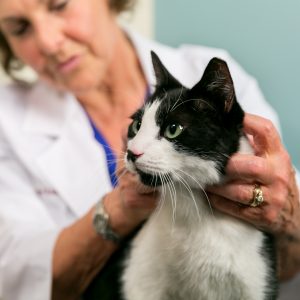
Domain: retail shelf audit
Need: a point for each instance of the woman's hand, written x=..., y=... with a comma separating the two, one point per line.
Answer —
x=137, y=199
x=130, y=202
x=271, y=168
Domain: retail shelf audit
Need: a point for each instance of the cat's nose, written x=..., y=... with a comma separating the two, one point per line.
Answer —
x=133, y=155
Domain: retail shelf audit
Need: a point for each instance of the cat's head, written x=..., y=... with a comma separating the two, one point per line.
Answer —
x=183, y=134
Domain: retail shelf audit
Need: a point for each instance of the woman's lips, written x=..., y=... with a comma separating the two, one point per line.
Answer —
x=69, y=65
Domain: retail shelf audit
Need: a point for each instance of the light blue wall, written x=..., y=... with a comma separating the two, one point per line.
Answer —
x=262, y=35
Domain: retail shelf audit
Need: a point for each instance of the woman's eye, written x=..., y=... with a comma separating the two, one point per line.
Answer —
x=20, y=29
x=59, y=5
x=135, y=126
x=173, y=130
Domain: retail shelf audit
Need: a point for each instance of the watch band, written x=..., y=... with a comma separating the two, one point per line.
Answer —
x=101, y=223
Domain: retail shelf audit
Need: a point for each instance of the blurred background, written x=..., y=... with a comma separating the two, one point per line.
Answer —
x=263, y=36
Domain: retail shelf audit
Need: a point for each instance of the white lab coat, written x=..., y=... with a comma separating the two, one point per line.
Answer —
x=52, y=170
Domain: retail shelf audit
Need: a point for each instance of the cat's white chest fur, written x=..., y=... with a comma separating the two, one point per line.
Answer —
x=195, y=256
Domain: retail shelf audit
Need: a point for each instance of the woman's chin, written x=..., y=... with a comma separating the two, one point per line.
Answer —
x=77, y=85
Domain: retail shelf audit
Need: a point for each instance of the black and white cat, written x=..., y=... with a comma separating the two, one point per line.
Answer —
x=181, y=141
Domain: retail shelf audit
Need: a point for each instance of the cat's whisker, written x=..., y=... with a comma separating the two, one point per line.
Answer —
x=212, y=152
x=162, y=196
x=119, y=170
x=196, y=99
x=178, y=99
x=172, y=190
x=218, y=153
x=169, y=185
x=175, y=198
x=202, y=189
x=188, y=188
x=165, y=184
x=116, y=152
x=120, y=175
x=114, y=161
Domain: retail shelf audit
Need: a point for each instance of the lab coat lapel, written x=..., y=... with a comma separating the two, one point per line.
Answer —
x=74, y=164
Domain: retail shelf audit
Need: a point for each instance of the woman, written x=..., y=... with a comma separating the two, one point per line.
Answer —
x=93, y=75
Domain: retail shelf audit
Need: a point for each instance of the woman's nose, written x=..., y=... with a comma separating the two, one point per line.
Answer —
x=49, y=37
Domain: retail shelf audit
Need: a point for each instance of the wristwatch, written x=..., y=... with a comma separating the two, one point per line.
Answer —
x=101, y=224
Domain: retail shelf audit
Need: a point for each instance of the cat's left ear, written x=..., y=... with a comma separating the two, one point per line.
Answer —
x=163, y=76
x=216, y=85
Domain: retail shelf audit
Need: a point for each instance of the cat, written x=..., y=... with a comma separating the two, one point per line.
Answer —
x=180, y=142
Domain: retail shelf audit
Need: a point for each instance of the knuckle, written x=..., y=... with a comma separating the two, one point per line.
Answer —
x=271, y=216
x=281, y=179
x=268, y=127
x=257, y=167
x=243, y=193
x=286, y=157
x=280, y=199
x=282, y=172
x=284, y=160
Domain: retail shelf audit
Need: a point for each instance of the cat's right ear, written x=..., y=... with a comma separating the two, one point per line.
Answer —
x=163, y=77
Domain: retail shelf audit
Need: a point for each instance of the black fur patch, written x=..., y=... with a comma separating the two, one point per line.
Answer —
x=152, y=180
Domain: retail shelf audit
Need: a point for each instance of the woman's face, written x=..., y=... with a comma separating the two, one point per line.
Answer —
x=67, y=42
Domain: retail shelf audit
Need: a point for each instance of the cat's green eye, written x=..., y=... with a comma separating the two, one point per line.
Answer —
x=173, y=131
x=135, y=126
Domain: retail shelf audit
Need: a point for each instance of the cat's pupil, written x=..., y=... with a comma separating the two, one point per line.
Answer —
x=136, y=125
x=173, y=128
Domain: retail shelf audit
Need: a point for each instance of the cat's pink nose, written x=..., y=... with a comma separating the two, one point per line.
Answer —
x=133, y=155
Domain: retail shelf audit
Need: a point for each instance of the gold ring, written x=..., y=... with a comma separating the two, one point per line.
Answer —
x=257, y=198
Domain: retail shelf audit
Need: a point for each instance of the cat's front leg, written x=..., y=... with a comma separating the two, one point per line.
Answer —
x=145, y=276
x=144, y=281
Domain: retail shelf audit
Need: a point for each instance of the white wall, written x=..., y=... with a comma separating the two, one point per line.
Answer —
x=141, y=19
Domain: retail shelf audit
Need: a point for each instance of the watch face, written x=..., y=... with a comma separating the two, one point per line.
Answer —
x=101, y=225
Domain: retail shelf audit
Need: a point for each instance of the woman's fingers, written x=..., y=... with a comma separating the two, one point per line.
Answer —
x=261, y=217
x=265, y=136
x=249, y=168
x=134, y=194
x=241, y=193
x=261, y=166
